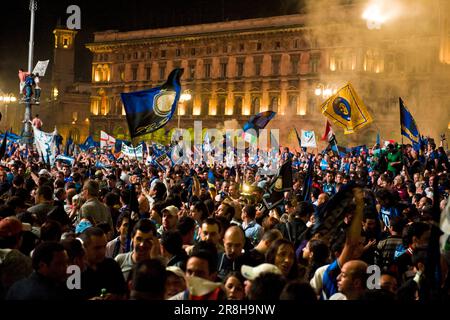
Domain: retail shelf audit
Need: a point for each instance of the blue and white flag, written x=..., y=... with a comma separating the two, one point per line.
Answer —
x=46, y=144
x=66, y=159
x=308, y=139
x=137, y=152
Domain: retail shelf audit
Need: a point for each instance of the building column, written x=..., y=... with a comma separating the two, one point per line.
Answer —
x=283, y=97
x=265, y=96
x=303, y=97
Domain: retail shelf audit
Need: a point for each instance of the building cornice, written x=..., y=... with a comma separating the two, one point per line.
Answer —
x=111, y=40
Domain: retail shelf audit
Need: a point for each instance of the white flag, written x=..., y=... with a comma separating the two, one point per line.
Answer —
x=308, y=139
x=41, y=68
x=106, y=140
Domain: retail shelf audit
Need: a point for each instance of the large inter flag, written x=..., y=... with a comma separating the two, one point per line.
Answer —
x=151, y=109
x=281, y=183
x=409, y=126
x=347, y=110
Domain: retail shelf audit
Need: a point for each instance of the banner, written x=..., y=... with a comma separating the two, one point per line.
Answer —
x=41, y=68
x=130, y=152
x=45, y=143
x=308, y=139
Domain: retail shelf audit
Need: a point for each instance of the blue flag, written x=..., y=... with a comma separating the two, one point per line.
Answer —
x=68, y=145
x=3, y=145
x=151, y=109
x=409, y=127
x=259, y=121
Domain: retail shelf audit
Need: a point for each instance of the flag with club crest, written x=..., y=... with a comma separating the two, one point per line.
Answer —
x=347, y=110
x=308, y=139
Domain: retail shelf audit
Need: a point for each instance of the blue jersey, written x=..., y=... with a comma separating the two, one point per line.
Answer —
x=329, y=281
x=387, y=213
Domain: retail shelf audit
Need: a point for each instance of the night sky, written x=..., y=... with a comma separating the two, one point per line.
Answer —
x=98, y=15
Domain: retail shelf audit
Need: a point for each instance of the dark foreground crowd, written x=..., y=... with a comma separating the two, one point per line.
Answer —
x=131, y=230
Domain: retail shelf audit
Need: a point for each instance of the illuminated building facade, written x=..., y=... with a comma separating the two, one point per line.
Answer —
x=288, y=64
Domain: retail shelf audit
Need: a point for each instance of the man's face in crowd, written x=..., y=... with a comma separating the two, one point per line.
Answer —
x=169, y=221
x=234, y=244
x=57, y=268
x=197, y=267
x=142, y=244
x=210, y=233
x=96, y=249
x=66, y=171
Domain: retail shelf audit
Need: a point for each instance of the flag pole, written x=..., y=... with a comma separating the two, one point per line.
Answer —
x=401, y=122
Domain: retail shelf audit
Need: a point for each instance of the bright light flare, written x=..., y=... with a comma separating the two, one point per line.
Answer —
x=374, y=16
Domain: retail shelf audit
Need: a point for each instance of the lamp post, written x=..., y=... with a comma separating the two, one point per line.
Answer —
x=27, y=136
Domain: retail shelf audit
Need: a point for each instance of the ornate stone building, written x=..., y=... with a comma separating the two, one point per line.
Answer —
x=288, y=64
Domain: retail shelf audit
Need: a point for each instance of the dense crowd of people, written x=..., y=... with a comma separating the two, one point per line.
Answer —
x=199, y=232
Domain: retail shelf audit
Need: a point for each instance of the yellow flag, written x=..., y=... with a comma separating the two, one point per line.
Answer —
x=347, y=110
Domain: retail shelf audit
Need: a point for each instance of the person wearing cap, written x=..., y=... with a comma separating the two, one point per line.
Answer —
x=175, y=282
x=169, y=219
x=14, y=265
x=251, y=273
x=143, y=238
x=93, y=208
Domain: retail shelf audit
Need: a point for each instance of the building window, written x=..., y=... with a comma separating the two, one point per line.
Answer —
x=192, y=51
x=241, y=47
x=191, y=71
x=274, y=102
x=142, y=55
x=258, y=46
x=207, y=67
x=162, y=72
x=74, y=116
x=122, y=73
x=275, y=67
x=135, y=55
x=237, y=108
x=205, y=105
x=149, y=55
x=314, y=63
x=134, y=72
x=295, y=45
x=255, y=107
x=208, y=50
x=148, y=72
x=240, y=69
x=294, y=65
x=277, y=45
x=223, y=69
x=221, y=104
x=292, y=107
x=257, y=68
x=177, y=52
x=163, y=53
x=225, y=49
